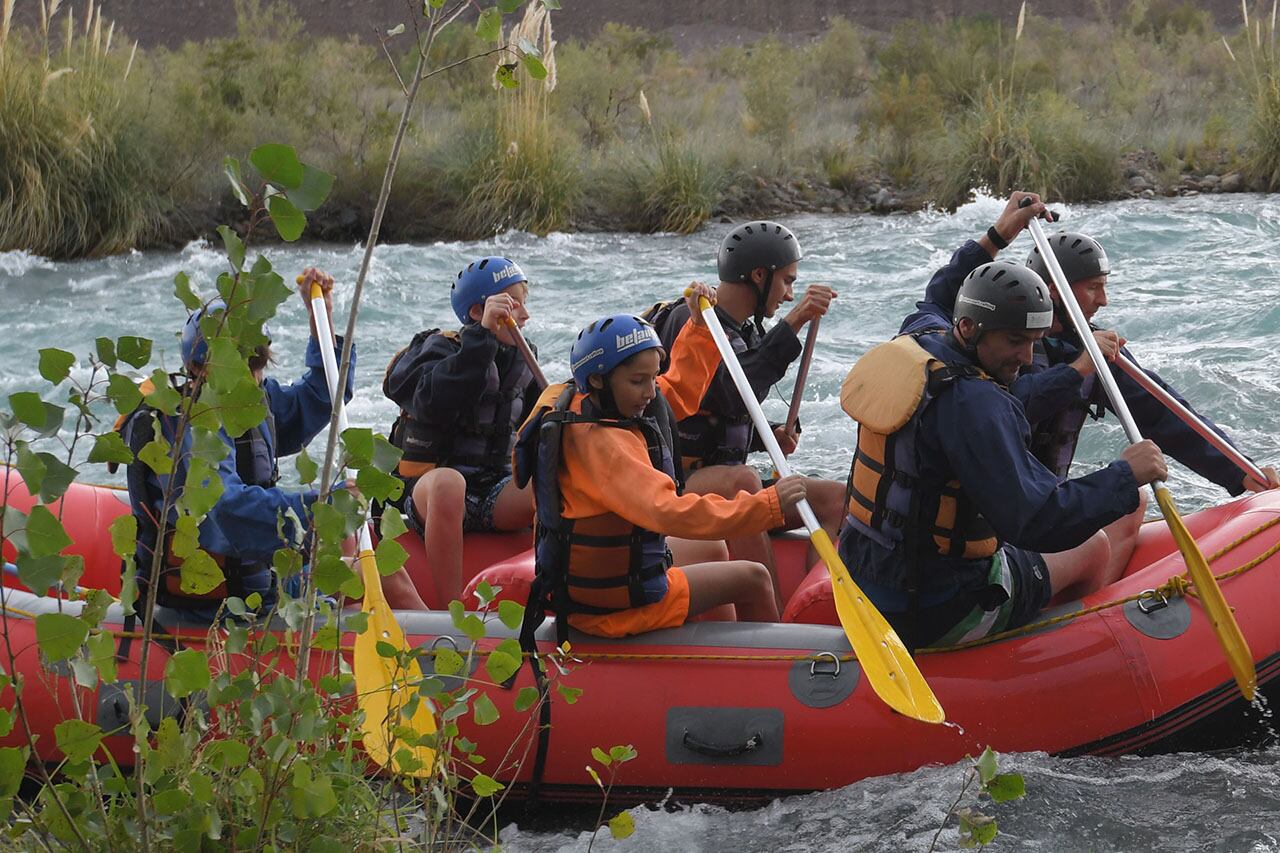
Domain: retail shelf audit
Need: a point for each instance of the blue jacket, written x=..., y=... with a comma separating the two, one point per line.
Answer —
x=1045, y=389
x=243, y=523
x=975, y=432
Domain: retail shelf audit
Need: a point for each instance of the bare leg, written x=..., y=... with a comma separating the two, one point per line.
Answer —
x=1080, y=571
x=744, y=584
x=438, y=500
x=688, y=552
x=1123, y=536
x=400, y=592
x=514, y=508
x=727, y=481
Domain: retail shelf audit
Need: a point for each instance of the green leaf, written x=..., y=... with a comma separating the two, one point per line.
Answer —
x=202, y=489
x=134, y=351
x=622, y=754
x=59, y=635
x=31, y=467
x=110, y=447
x=504, y=661
x=289, y=221
x=377, y=486
x=77, y=739
x=58, y=477
x=315, y=186
x=307, y=467
x=533, y=66
x=552, y=5
x=331, y=574
x=483, y=711
x=287, y=562
x=28, y=408
x=163, y=395
x=182, y=290
x=489, y=25
x=155, y=454
x=278, y=164
x=386, y=456
x=207, y=445
x=311, y=799
x=392, y=525
x=102, y=654
x=38, y=574
x=385, y=649
x=511, y=613
x=186, y=672
x=976, y=829
x=233, y=246
x=622, y=825
x=506, y=75
x=390, y=555
x=1006, y=786
x=241, y=408
x=170, y=801
x=124, y=393
x=600, y=755
x=13, y=524
x=223, y=754
x=185, y=538
x=231, y=168
x=526, y=698
x=106, y=349
x=56, y=364
x=12, y=762
x=506, y=7
x=569, y=694
x=6, y=722
x=986, y=765
x=358, y=442
x=448, y=662
x=485, y=786
x=45, y=534
x=200, y=574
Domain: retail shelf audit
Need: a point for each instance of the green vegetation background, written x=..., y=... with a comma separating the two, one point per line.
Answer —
x=104, y=147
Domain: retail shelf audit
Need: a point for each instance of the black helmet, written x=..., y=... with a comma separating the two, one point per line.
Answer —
x=757, y=244
x=1080, y=256
x=1002, y=295
x=754, y=245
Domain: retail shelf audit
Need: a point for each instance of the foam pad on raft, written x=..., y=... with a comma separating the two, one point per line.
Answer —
x=813, y=601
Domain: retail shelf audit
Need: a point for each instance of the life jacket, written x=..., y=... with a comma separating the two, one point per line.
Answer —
x=480, y=439
x=711, y=438
x=256, y=465
x=886, y=392
x=1054, y=439
x=592, y=565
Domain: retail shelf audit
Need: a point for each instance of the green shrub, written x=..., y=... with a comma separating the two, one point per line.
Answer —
x=76, y=173
x=903, y=121
x=837, y=65
x=671, y=188
x=769, y=92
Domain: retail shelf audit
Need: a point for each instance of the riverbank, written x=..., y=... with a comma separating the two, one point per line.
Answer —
x=109, y=147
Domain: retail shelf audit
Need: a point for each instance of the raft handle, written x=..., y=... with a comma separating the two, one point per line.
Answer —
x=1151, y=595
x=716, y=750
x=834, y=672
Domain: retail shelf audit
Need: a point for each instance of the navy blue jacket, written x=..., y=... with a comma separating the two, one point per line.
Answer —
x=975, y=432
x=242, y=524
x=1045, y=390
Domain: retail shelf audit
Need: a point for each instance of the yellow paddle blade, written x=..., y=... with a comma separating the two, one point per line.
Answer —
x=888, y=665
x=384, y=686
x=1215, y=605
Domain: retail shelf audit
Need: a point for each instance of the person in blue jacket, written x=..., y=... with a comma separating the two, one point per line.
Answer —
x=1058, y=390
x=955, y=530
x=462, y=394
x=244, y=528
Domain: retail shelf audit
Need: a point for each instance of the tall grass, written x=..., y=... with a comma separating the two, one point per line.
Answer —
x=1260, y=67
x=76, y=177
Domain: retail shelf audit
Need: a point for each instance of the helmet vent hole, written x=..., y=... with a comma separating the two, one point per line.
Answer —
x=747, y=228
x=737, y=238
x=606, y=324
x=484, y=263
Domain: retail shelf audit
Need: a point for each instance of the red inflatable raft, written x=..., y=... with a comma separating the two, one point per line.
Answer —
x=728, y=711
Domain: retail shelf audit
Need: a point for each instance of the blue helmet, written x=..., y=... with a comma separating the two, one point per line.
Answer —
x=608, y=342
x=480, y=280
x=194, y=347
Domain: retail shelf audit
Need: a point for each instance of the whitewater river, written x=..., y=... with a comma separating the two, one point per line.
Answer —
x=1194, y=290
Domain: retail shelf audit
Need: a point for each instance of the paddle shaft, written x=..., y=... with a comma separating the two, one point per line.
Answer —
x=1190, y=418
x=802, y=373
x=325, y=334
x=753, y=408
x=526, y=352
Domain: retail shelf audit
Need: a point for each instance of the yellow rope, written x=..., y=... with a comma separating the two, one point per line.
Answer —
x=1175, y=586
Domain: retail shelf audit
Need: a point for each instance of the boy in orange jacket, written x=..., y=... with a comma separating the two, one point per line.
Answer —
x=605, y=478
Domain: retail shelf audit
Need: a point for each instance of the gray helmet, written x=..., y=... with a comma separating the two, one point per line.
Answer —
x=1002, y=295
x=1080, y=256
x=754, y=245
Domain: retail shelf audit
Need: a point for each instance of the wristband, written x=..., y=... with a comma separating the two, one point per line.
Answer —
x=996, y=240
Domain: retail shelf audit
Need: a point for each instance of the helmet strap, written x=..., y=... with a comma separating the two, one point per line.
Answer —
x=762, y=299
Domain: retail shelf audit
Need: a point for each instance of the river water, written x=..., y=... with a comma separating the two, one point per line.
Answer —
x=1194, y=290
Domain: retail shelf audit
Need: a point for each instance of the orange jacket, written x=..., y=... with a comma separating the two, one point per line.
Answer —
x=606, y=470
